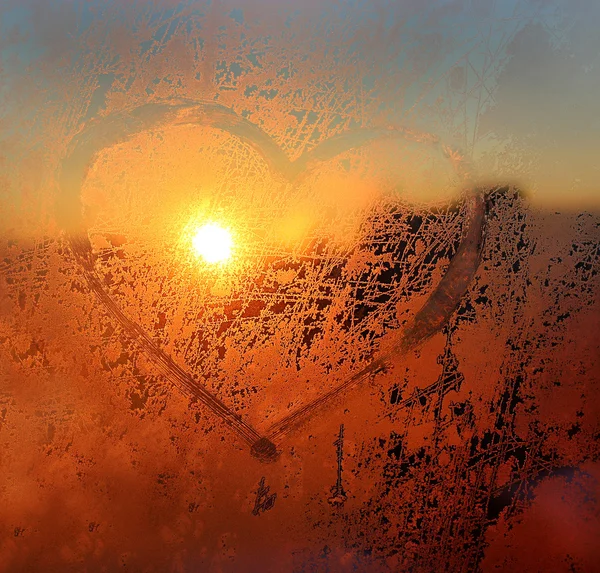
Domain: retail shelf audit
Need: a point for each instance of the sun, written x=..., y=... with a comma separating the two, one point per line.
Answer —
x=213, y=243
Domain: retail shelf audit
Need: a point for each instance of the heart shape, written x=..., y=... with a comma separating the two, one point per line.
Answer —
x=120, y=127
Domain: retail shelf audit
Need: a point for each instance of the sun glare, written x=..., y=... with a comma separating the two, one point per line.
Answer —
x=213, y=243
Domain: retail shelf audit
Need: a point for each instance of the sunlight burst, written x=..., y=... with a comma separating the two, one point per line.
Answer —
x=213, y=243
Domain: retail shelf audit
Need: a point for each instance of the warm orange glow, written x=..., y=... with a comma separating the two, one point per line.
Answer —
x=213, y=243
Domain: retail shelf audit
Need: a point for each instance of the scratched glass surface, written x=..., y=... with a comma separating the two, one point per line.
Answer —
x=396, y=369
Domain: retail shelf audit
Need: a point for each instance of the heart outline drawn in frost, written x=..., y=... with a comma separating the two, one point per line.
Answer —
x=119, y=127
